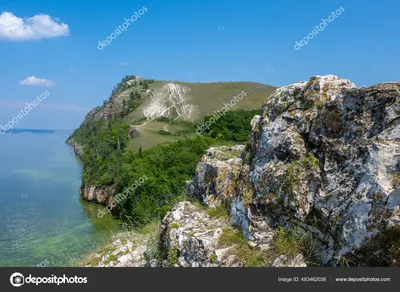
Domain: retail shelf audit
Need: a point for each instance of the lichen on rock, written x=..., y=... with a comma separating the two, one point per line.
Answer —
x=325, y=155
x=353, y=134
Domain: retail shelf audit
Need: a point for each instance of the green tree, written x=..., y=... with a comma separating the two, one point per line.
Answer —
x=140, y=153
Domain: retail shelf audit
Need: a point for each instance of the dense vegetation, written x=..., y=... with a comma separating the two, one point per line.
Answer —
x=166, y=168
x=108, y=161
x=233, y=126
x=104, y=148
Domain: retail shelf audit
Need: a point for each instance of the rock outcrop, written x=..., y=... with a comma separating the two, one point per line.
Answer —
x=325, y=156
x=78, y=149
x=120, y=253
x=223, y=177
x=193, y=236
x=133, y=131
x=188, y=236
x=95, y=114
x=117, y=104
x=99, y=195
x=197, y=239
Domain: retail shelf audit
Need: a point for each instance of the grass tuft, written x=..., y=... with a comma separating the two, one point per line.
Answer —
x=219, y=211
x=247, y=255
x=174, y=225
x=291, y=241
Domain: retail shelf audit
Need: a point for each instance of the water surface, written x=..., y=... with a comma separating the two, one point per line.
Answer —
x=43, y=221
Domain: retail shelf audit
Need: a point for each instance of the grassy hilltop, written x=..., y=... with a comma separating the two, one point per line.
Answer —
x=133, y=95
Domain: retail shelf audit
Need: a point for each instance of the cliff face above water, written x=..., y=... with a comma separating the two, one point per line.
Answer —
x=324, y=158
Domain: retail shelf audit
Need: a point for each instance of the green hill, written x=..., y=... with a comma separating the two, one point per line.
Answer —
x=163, y=112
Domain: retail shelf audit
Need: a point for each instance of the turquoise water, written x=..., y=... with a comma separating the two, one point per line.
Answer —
x=43, y=221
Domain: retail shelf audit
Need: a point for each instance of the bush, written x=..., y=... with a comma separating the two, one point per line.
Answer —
x=172, y=258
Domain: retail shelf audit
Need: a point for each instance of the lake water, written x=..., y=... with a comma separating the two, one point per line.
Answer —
x=43, y=221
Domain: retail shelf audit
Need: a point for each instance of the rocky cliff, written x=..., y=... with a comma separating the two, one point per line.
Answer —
x=91, y=193
x=78, y=149
x=324, y=156
x=317, y=183
x=101, y=195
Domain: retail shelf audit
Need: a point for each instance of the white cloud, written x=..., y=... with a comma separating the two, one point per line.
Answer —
x=124, y=63
x=33, y=28
x=32, y=80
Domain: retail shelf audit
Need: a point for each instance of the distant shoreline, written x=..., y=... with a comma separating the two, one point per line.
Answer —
x=36, y=131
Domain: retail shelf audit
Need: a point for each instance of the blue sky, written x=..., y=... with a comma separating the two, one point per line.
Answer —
x=191, y=41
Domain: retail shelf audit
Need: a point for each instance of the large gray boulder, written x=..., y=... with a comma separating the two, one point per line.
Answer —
x=324, y=156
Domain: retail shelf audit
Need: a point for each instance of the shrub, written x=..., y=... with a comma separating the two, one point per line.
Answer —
x=172, y=258
x=233, y=126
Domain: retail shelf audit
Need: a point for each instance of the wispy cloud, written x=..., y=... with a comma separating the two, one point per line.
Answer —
x=32, y=80
x=124, y=63
x=33, y=28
